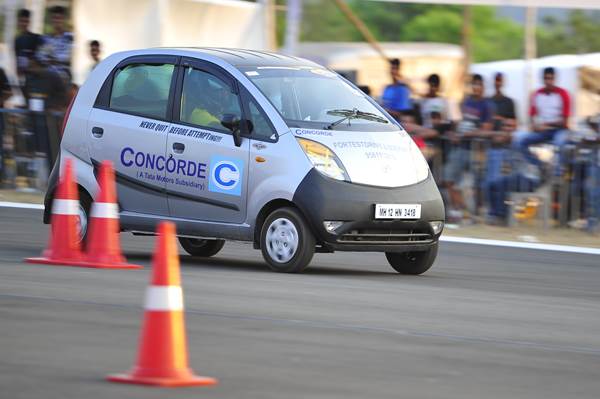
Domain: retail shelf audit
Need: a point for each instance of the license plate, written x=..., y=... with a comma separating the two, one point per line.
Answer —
x=397, y=211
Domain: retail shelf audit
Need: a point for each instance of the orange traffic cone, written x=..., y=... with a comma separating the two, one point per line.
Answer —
x=64, y=247
x=103, y=246
x=162, y=358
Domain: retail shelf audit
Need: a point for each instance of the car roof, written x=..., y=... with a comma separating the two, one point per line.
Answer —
x=240, y=58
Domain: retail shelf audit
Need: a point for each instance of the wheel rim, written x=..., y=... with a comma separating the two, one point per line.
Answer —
x=282, y=240
x=82, y=222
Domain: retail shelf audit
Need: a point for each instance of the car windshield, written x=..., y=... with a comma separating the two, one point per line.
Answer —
x=317, y=98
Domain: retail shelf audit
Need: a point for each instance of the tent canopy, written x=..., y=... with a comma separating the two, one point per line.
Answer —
x=580, y=4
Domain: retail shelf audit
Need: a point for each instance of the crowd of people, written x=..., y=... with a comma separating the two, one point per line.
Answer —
x=485, y=143
x=483, y=146
x=43, y=66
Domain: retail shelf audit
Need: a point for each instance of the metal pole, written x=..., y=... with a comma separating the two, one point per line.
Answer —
x=292, y=30
x=270, y=24
x=530, y=50
x=467, y=45
x=360, y=25
x=38, y=9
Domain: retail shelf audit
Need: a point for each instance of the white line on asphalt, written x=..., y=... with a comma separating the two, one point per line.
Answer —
x=459, y=240
x=526, y=245
x=22, y=205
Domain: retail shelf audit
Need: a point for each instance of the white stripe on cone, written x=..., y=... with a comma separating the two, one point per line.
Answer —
x=107, y=210
x=65, y=207
x=164, y=298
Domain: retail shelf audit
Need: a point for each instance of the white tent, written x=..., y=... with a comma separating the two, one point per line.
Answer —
x=122, y=25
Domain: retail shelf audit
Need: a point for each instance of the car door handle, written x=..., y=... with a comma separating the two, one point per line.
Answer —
x=178, y=147
x=97, y=132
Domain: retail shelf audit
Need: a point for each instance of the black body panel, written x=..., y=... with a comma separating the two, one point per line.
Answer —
x=321, y=198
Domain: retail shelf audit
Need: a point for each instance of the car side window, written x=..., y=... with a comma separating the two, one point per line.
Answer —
x=205, y=99
x=142, y=89
x=261, y=128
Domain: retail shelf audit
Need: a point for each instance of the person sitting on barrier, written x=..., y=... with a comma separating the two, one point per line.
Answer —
x=549, y=112
x=476, y=121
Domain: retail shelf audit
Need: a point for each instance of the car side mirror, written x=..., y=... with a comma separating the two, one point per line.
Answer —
x=232, y=122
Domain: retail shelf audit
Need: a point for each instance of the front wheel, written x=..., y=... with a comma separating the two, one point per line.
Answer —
x=201, y=247
x=286, y=242
x=412, y=262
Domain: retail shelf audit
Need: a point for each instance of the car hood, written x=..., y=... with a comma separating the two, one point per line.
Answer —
x=383, y=159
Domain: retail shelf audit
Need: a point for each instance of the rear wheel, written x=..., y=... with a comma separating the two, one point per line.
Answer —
x=286, y=242
x=201, y=247
x=412, y=262
x=83, y=211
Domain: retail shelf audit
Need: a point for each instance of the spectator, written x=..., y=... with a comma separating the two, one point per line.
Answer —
x=498, y=154
x=48, y=92
x=550, y=109
x=419, y=134
x=498, y=163
x=26, y=45
x=5, y=94
x=95, y=53
x=432, y=102
x=476, y=122
x=396, y=96
x=57, y=47
x=504, y=107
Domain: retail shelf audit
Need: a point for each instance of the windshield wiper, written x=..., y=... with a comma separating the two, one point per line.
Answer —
x=349, y=114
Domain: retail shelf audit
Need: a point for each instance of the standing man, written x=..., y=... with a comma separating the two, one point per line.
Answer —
x=504, y=107
x=476, y=121
x=26, y=46
x=550, y=110
x=95, y=53
x=396, y=96
x=5, y=94
x=57, y=48
x=432, y=102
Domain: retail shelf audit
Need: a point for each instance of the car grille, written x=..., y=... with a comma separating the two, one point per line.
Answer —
x=385, y=236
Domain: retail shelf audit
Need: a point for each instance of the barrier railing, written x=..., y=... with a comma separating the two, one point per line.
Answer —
x=29, y=145
x=570, y=199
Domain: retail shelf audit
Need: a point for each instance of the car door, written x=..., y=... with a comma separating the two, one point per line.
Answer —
x=207, y=177
x=128, y=126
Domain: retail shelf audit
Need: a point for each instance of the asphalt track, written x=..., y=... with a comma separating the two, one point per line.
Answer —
x=484, y=322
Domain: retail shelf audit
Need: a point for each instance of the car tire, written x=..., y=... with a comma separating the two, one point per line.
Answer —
x=286, y=242
x=201, y=247
x=412, y=262
x=85, y=205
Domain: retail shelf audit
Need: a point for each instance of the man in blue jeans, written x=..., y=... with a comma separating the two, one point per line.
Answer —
x=549, y=112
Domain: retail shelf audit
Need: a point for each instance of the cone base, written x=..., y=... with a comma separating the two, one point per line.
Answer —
x=50, y=261
x=81, y=263
x=109, y=265
x=191, y=380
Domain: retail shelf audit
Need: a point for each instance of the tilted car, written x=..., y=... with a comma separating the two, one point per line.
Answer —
x=251, y=146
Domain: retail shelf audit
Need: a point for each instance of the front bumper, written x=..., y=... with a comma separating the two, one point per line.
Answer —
x=321, y=198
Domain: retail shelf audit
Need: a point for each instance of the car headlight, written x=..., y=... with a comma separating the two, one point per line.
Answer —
x=421, y=166
x=323, y=159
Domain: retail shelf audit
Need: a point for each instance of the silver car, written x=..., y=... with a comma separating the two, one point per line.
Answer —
x=251, y=146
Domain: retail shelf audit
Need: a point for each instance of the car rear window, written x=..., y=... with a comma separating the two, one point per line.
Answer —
x=142, y=89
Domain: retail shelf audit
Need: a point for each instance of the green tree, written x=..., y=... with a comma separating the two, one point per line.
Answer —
x=579, y=34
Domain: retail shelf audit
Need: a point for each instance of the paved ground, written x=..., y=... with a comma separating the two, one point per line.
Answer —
x=484, y=322
x=531, y=231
